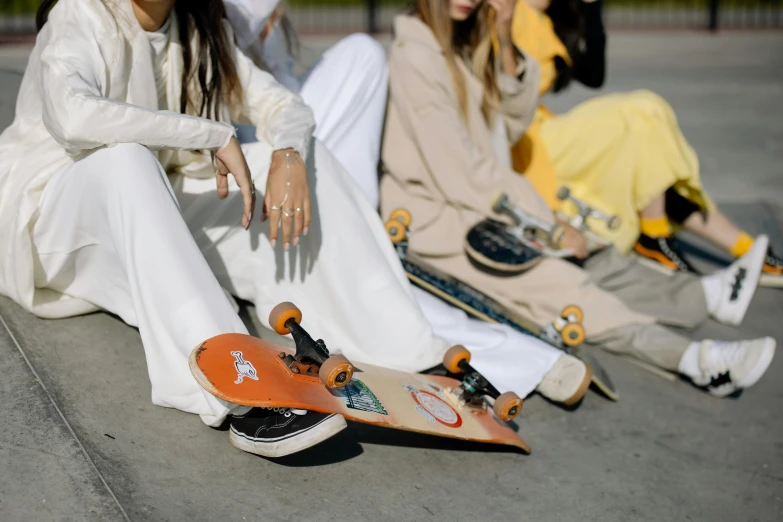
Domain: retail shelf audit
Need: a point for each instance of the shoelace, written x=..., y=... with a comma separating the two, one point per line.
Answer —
x=671, y=253
x=722, y=357
x=286, y=412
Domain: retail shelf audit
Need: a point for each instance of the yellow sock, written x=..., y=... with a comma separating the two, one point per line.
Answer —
x=656, y=227
x=742, y=245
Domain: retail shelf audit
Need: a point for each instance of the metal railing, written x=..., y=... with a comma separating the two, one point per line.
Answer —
x=376, y=16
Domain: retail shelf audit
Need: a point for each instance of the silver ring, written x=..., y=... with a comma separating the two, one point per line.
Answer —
x=288, y=213
x=274, y=207
x=297, y=209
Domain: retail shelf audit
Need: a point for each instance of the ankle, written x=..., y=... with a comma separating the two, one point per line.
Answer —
x=656, y=226
x=741, y=246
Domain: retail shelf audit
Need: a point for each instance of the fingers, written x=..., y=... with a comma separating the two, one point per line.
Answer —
x=306, y=211
x=298, y=223
x=222, y=185
x=271, y=213
x=248, y=200
x=288, y=221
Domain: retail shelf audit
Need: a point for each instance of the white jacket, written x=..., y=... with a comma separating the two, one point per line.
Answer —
x=90, y=84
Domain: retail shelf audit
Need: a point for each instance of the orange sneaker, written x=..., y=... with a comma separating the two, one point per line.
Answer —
x=772, y=273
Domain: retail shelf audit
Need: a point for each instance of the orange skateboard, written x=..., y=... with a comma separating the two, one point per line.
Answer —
x=252, y=372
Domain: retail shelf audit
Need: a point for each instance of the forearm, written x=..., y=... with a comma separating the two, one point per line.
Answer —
x=511, y=60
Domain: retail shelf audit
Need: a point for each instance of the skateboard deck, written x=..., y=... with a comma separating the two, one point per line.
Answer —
x=481, y=306
x=249, y=371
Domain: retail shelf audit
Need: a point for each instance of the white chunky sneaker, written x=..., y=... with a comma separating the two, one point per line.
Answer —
x=567, y=381
x=725, y=367
x=738, y=283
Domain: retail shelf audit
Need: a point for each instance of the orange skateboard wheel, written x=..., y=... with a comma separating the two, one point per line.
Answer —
x=507, y=406
x=395, y=230
x=401, y=215
x=336, y=372
x=281, y=313
x=573, y=334
x=455, y=355
x=572, y=314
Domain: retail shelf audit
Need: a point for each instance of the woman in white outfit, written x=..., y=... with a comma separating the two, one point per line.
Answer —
x=107, y=205
x=347, y=88
x=107, y=201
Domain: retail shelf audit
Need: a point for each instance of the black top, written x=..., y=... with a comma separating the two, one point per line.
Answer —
x=585, y=39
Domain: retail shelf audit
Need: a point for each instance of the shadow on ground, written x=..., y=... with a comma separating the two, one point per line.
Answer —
x=82, y=441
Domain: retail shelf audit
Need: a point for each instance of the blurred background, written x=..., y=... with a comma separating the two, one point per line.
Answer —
x=375, y=16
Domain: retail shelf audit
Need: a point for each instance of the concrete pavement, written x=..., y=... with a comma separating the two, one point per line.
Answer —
x=82, y=441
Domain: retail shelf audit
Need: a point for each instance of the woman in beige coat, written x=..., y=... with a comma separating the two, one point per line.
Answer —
x=454, y=108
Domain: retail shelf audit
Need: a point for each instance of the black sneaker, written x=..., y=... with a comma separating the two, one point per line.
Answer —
x=772, y=273
x=276, y=432
x=664, y=252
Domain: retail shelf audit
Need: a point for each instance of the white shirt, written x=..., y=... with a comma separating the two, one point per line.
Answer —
x=160, y=61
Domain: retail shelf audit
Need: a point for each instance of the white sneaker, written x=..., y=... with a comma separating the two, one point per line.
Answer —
x=739, y=282
x=730, y=366
x=567, y=381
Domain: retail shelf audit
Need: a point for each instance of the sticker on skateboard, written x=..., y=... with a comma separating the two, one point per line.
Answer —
x=358, y=396
x=468, y=408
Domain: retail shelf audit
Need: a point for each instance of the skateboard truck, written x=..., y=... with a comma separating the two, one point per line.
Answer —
x=527, y=225
x=566, y=331
x=397, y=228
x=312, y=360
x=585, y=211
x=474, y=387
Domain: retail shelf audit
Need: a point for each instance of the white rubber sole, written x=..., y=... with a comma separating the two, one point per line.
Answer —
x=280, y=448
x=753, y=376
x=771, y=281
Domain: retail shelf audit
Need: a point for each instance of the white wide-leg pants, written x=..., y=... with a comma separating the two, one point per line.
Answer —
x=347, y=89
x=114, y=230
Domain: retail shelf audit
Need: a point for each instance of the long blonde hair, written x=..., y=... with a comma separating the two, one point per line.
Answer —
x=470, y=40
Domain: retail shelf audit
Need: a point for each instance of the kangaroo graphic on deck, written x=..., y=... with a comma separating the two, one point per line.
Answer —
x=244, y=368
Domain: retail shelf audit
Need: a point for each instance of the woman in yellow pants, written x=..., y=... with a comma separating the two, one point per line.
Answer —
x=624, y=153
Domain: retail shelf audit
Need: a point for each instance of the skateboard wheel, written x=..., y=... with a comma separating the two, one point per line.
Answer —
x=336, y=372
x=281, y=313
x=401, y=215
x=613, y=223
x=572, y=314
x=507, y=406
x=455, y=355
x=563, y=193
x=395, y=230
x=573, y=334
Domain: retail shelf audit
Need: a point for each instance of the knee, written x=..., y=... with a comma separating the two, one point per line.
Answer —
x=129, y=166
x=650, y=103
x=367, y=55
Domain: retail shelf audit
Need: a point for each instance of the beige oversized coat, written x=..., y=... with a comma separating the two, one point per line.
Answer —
x=447, y=173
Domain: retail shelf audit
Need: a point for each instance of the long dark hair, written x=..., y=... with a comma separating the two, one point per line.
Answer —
x=214, y=53
x=568, y=23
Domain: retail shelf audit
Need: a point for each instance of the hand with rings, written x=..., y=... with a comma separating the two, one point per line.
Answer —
x=287, y=198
